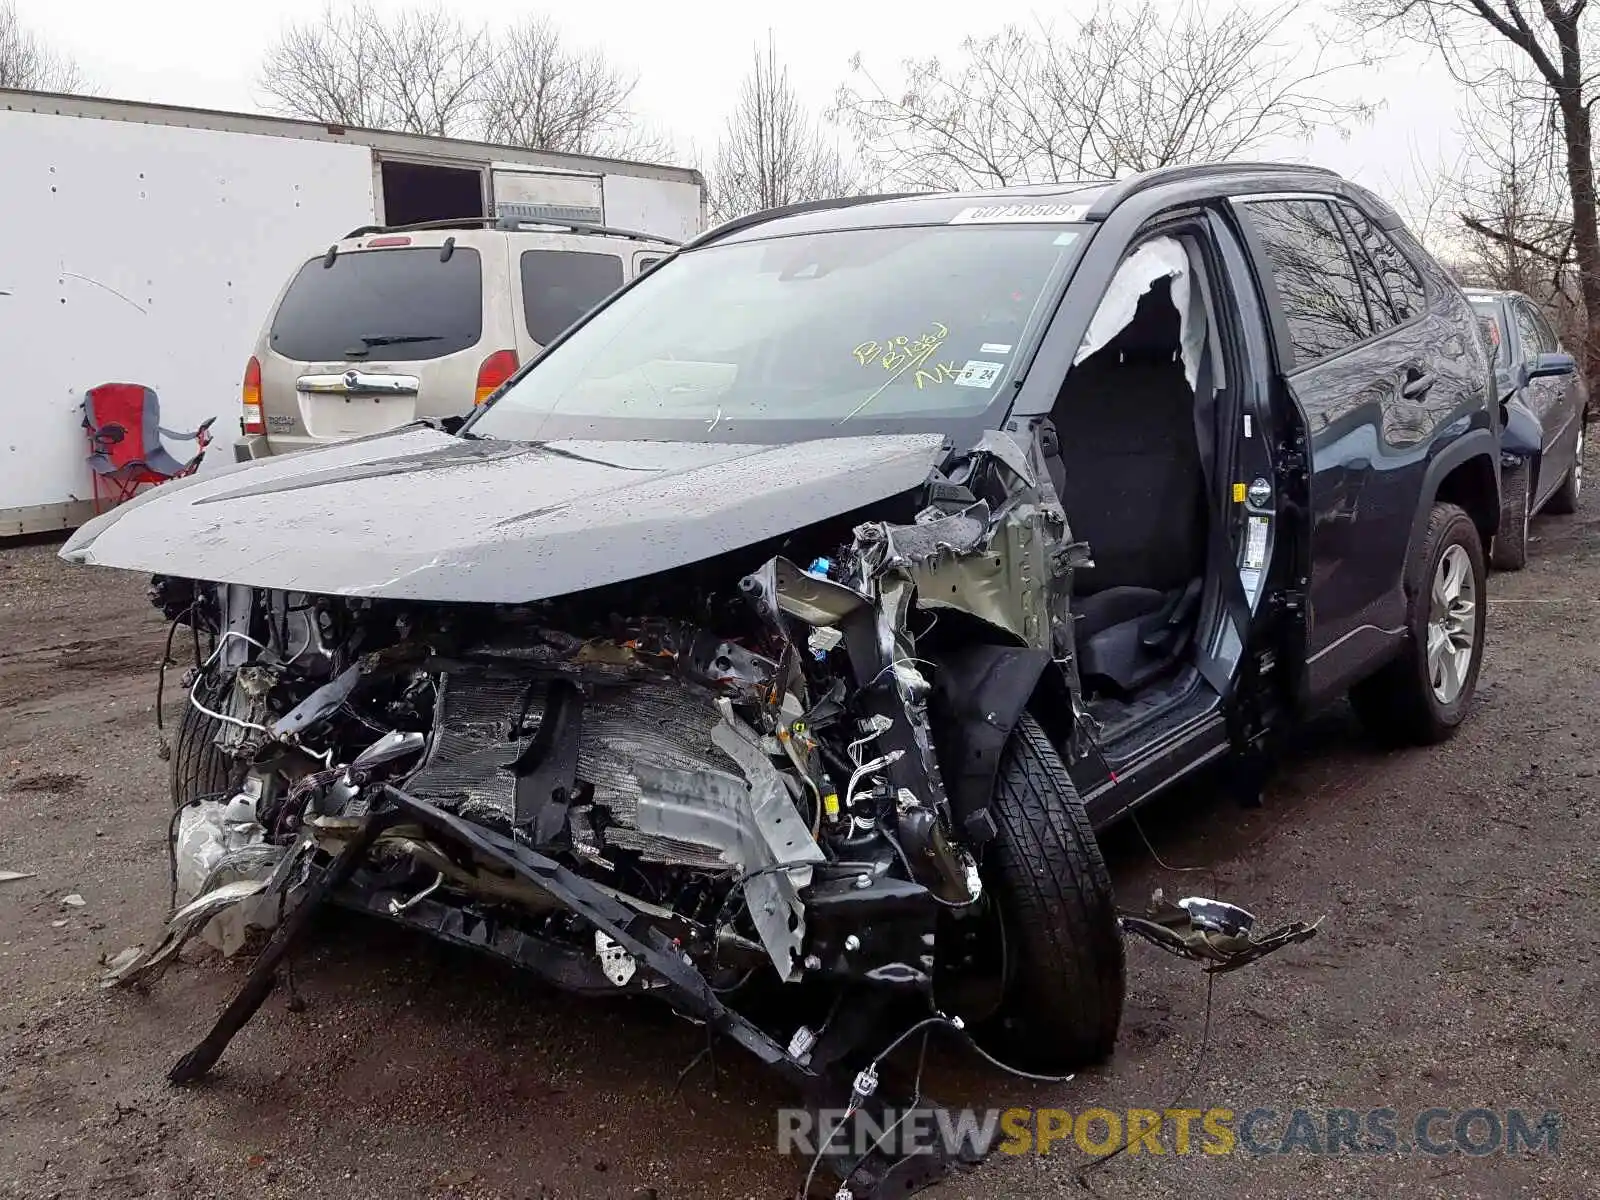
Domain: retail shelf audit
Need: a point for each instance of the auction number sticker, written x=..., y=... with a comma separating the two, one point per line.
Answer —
x=979, y=374
x=1020, y=214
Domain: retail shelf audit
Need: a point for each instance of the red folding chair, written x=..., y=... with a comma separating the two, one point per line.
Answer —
x=123, y=421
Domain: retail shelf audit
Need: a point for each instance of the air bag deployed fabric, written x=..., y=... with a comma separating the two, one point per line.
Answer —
x=1158, y=258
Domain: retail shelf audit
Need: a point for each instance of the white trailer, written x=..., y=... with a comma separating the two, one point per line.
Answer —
x=143, y=244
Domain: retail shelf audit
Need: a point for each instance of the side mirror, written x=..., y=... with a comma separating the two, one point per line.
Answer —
x=1547, y=366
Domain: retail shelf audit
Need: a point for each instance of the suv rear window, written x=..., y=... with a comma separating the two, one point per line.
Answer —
x=559, y=286
x=401, y=305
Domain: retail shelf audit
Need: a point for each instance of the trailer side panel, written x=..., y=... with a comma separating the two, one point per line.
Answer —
x=144, y=254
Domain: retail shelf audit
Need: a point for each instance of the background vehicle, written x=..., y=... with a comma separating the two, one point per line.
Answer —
x=142, y=244
x=1541, y=465
x=1097, y=484
x=389, y=325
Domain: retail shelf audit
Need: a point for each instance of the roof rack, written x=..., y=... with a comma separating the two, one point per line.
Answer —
x=513, y=224
x=790, y=210
x=1122, y=189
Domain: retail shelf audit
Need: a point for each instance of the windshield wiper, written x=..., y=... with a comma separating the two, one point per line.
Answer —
x=397, y=339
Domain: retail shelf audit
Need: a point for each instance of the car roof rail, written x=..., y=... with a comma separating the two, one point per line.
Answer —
x=514, y=224
x=789, y=210
x=1116, y=193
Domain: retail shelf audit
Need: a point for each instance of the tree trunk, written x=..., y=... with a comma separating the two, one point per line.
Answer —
x=1585, y=228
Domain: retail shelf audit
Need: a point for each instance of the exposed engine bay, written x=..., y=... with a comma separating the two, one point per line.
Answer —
x=737, y=773
x=704, y=746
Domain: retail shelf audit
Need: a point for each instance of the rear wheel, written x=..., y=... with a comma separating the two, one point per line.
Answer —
x=1509, y=549
x=1566, y=497
x=1064, y=969
x=1423, y=695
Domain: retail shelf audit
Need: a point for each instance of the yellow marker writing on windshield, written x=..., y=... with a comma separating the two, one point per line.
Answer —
x=898, y=353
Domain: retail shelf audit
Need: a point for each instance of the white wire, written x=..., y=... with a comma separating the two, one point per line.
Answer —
x=223, y=641
x=876, y=764
x=305, y=615
x=854, y=749
x=216, y=716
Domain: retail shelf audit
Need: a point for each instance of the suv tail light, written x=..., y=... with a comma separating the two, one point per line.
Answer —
x=253, y=420
x=497, y=368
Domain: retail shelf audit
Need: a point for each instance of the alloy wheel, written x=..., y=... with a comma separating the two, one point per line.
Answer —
x=1452, y=623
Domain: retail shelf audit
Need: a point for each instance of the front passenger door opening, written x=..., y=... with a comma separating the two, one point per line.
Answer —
x=1149, y=422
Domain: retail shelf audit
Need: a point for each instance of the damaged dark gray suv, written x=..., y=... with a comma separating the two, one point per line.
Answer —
x=798, y=615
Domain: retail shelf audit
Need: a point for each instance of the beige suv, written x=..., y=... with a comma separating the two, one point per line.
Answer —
x=420, y=321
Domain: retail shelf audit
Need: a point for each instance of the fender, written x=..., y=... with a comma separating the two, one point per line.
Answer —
x=1469, y=445
x=1523, y=436
x=981, y=693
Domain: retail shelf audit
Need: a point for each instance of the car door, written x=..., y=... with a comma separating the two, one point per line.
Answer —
x=1375, y=370
x=1554, y=399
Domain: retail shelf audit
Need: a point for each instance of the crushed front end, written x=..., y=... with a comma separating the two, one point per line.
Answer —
x=691, y=785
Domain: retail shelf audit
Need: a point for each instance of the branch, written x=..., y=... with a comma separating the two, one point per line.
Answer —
x=1495, y=235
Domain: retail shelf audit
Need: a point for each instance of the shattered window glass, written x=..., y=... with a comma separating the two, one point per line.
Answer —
x=1322, y=298
x=867, y=325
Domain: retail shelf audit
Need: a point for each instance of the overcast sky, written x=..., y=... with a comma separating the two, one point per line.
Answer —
x=205, y=53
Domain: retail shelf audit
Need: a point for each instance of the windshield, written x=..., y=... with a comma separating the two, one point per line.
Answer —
x=899, y=329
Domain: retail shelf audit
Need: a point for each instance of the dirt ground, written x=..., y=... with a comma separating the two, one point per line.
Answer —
x=1454, y=969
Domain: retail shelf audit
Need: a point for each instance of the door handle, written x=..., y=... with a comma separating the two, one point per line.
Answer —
x=1416, y=385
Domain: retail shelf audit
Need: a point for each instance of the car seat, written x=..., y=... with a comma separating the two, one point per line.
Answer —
x=1133, y=486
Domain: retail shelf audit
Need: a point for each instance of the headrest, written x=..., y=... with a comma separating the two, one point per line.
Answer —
x=1153, y=334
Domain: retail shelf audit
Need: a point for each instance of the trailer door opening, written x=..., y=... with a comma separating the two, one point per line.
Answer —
x=415, y=192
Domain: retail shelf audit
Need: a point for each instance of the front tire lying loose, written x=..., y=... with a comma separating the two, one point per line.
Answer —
x=1064, y=957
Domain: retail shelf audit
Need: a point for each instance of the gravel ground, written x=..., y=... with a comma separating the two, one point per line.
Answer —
x=1453, y=970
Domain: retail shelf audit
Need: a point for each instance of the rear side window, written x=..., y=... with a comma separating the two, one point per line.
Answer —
x=1317, y=284
x=1398, y=276
x=559, y=286
x=400, y=305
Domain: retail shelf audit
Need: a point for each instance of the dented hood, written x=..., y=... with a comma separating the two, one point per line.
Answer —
x=421, y=515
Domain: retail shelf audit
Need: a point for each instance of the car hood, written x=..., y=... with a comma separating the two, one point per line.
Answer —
x=421, y=515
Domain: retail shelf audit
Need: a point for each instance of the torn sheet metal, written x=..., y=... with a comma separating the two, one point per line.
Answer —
x=817, y=602
x=999, y=559
x=264, y=897
x=754, y=826
x=1159, y=258
x=214, y=847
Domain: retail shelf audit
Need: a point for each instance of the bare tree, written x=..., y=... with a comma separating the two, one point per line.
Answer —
x=1533, y=52
x=1135, y=84
x=423, y=70
x=540, y=93
x=772, y=150
x=27, y=62
x=416, y=71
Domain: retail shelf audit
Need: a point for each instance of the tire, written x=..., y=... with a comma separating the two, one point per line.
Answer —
x=1508, y=550
x=198, y=767
x=1564, y=501
x=1399, y=705
x=1065, y=972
